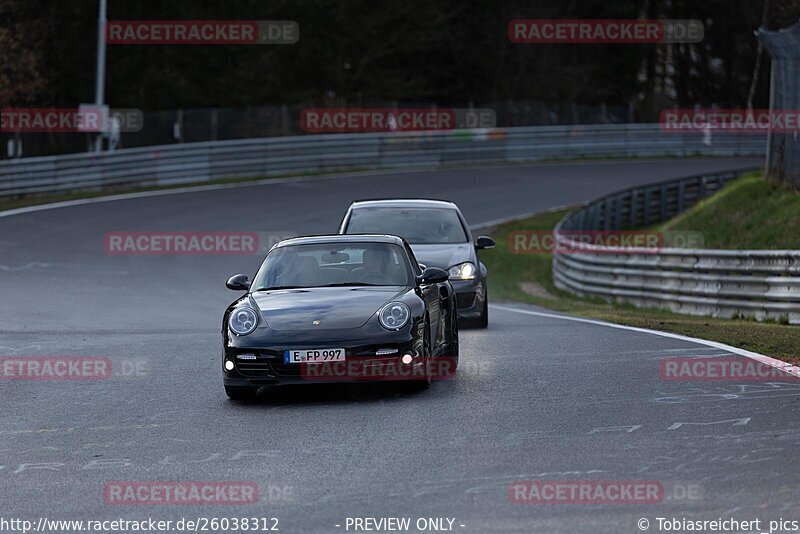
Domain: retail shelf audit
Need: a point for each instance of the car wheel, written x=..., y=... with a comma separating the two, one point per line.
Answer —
x=239, y=393
x=483, y=320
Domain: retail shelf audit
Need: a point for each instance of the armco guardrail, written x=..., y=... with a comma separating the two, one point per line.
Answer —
x=764, y=284
x=202, y=162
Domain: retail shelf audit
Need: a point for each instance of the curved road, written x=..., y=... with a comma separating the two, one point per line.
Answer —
x=538, y=396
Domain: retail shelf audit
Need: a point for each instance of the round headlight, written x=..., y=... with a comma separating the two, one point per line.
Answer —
x=394, y=315
x=242, y=321
x=463, y=271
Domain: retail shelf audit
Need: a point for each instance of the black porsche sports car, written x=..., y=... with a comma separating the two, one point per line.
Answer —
x=440, y=237
x=339, y=308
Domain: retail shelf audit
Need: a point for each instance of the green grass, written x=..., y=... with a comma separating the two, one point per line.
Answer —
x=749, y=213
x=509, y=271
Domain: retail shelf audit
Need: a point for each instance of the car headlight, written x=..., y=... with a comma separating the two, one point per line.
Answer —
x=394, y=315
x=242, y=321
x=463, y=271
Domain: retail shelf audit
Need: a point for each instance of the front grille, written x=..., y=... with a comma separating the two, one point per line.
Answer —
x=465, y=300
x=255, y=369
x=261, y=367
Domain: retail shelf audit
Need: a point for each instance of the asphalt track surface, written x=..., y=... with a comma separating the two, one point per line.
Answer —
x=537, y=397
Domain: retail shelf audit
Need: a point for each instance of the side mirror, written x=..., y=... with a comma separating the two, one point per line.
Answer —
x=433, y=275
x=238, y=282
x=484, y=242
x=422, y=267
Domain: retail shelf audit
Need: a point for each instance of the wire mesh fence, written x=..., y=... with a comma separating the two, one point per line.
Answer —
x=220, y=124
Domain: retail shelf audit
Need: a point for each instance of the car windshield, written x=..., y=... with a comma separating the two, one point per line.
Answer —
x=416, y=225
x=334, y=264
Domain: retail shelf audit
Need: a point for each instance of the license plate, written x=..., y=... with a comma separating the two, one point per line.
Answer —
x=313, y=356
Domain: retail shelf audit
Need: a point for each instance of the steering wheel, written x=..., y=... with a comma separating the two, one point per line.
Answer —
x=378, y=277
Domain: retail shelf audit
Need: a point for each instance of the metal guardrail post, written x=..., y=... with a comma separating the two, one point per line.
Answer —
x=662, y=200
x=681, y=195
x=617, y=212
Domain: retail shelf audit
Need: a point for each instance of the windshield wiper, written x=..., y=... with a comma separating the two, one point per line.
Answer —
x=277, y=287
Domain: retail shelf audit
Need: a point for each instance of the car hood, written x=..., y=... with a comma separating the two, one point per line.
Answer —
x=333, y=307
x=443, y=256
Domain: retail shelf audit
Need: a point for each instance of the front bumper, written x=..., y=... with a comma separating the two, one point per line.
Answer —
x=470, y=298
x=265, y=365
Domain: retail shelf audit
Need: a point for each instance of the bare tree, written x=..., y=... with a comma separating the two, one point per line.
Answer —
x=759, y=54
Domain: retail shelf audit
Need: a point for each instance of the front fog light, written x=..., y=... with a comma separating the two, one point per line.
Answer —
x=229, y=365
x=407, y=359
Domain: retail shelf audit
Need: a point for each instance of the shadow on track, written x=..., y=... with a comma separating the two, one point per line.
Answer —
x=330, y=394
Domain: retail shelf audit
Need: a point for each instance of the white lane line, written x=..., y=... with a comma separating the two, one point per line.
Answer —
x=772, y=362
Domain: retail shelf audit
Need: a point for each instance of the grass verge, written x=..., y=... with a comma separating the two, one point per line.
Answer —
x=749, y=213
x=528, y=278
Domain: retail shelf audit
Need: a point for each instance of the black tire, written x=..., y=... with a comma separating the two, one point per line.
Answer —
x=239, y=393
x=483, y=320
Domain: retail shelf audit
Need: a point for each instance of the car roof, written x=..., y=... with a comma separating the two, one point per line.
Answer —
x=404, y=203
x=342, y=238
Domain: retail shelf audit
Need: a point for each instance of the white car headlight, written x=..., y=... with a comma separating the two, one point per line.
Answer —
x=394, y=315
x=243, y=320
x=463, y=271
